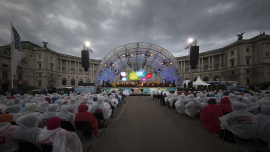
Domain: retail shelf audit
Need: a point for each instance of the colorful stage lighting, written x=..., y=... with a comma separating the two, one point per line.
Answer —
x=144, y=79
x=148, y=75
x=132, y=76
x=140, y=73
x=123, y=74
x=124, y=79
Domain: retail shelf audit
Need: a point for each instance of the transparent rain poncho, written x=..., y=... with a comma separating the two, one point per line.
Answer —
x=193, y=107
x=263, y=130
x=30, y=108
x=43, y=106
x=180, y=104
x=28, y=129
x=100, y=107
x=65, y=115
x=14, y=111
x=46, y=115
x=3, y=106
x=241, y=122
x=73, y=107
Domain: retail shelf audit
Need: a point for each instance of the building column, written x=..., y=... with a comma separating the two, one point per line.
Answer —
x=202, y=65
x=75, y=68
x=184, y=67
x=213, y=63
x=181, y=64
x=209, y=66
x=220, y=67
x=66, y=69
x=199, y=60
x=60, y=65
x=68, y=66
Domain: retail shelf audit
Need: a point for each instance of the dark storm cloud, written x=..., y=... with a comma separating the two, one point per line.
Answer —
x=66, y=25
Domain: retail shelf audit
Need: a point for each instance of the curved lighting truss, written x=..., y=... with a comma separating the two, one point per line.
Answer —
x=160, y=60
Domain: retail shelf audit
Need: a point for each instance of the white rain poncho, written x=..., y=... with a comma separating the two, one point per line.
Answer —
x=63, y=141
x=30, y=108
x=193, y=107
x=253, y=101
x=84, y=101
x=90, y=104
x=263, y=130
x=100, y=107
x=168, y=97
x=232, y=97
x=59, y=103
x=204, y=103
x=218, y=99
x=14, y=111
x=263, y=102
x=180, y=104
x=247, y=102
x=114, y=102
x=172, y=99
x=17, y=100
x=10, y=102
x=73, y=107
x=47, y=115
x=28, y=129
x=241, y=122
x=64, y=115
x=3, y=106
x=43, y=107
x=7, y=143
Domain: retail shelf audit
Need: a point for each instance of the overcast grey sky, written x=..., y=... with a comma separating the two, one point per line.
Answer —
x=108, y=24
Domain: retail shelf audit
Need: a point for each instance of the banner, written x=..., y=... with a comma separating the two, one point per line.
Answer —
x=17, y=51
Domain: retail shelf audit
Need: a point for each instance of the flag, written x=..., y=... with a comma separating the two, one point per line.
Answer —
x=17, y=51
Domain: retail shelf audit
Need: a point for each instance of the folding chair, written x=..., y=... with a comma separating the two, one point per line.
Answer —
x=99, y=116
x=67, y=125
x=25, y=146
x=84, y=127
x=46, y=147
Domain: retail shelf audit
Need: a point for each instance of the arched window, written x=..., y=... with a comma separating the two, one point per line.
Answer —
x=247, y=60
x=81, y=81
x=248, y=81
x=72, y=81
x=64, y=81
x=205, y=78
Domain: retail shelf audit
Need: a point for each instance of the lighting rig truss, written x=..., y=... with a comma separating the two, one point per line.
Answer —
x=127, y=55
x=165, y=63
x=147, y=54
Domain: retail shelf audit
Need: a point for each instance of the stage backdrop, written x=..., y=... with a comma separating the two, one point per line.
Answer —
x=138, y=90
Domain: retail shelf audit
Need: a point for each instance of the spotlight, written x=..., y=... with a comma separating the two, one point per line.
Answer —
x=161, y=63
x=152, y=54
x=190, y=40
x=142, y=54
x=171, y=63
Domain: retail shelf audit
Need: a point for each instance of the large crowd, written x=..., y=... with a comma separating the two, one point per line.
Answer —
x=38, y=119
x=245, y=116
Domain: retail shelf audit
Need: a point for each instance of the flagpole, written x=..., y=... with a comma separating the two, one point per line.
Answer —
x=11, y=50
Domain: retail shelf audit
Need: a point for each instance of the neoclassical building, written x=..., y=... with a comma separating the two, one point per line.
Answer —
x=246, y=61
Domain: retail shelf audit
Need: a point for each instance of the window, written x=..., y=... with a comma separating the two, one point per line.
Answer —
x=232, y=72
x=205, y=78
x=51, y=75
x=39, y=66
x=4, y=65
x=30, y=55
x=232, y=53
x=19, y=76
x=81, y=81
x=19, y=68
x=248, y=81
x=51, y=67
x=72, y=81
x=39, y=83
x=247, y=50
x=5, y=52
x=51, y=57
x=64, y=81
x=39, y=74
x=247, y=61
x=39, y=56
x=232, y=63
x=5, y=74
x=247, y=71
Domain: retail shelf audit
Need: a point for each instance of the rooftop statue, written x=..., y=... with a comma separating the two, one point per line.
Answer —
x=45, y=44
x=240, y=36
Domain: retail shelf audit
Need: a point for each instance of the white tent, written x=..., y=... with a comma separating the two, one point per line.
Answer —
x=199, y=82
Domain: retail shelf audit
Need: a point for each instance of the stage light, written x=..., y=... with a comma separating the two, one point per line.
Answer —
x=142, y=54
x=140, y=73
x=105, y=64
x=132, y=76
x=162, y=68
x=124, y=79
x=123, y=74
x=152, y=54
x=171, y=63
x=131, y=54
x=123, y=55
x=87, y=44
x=148, y=75
x=161, y=63
x=190, y=40
x=143, y=79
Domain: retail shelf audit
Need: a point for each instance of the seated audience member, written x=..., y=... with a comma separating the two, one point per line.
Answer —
x=3, y=106
x=225, y=105
x=43, y=107
x=15, y=111
x=193, y=107
x=65, y=115
x=46, y=115
x=263, y=130
x=83, y=115
x=241, y=122
x=31, y=108
x=181, y=103
x=6, y=131
x=48, y=99
x=61, y=140
x=209, y=117
x=28, y=129
x=73, y=107
x=23, y=103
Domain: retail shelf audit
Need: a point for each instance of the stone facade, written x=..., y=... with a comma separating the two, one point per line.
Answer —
x=245, y=61
x=42, y=67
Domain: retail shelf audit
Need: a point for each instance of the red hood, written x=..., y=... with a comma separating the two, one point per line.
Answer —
x=48, y=99
x=83, y=108
x=225, y=100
